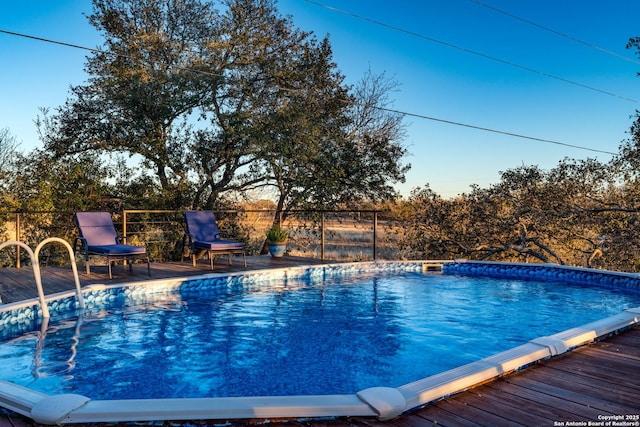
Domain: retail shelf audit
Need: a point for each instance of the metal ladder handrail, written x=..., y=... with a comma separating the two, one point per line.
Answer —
x=72, y=259
x=36, y=272
x=36, y=269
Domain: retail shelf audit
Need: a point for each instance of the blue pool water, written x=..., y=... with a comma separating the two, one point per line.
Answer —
x=329, y=337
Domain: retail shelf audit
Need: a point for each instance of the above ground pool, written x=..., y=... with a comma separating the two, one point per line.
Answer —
x=375, y=331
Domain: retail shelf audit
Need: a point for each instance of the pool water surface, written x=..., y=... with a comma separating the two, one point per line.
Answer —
x=332, y=336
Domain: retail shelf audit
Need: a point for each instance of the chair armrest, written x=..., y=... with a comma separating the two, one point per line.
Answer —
x=82, y=241
x=83, y=246
x=189, y=240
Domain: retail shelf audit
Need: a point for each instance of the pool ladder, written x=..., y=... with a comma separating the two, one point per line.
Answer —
x=36, y=269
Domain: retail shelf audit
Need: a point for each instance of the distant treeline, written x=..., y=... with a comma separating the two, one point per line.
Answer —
x=581, y=213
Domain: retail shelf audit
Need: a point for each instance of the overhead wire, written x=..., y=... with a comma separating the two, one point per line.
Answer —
x=558, y=33
x=496, y=131
x=394, y=111
x=466, y=50
x=94, y=50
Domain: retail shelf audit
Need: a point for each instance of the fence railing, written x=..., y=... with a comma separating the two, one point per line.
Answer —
x=328, y=234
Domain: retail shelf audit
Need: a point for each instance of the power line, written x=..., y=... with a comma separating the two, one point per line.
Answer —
x=516, y=135
x=50, y=41
x=473, y=52
x=526, y=21
x=404, y=113
x=75, y=46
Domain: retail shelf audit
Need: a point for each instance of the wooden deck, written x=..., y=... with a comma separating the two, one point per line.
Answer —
x=587, y=385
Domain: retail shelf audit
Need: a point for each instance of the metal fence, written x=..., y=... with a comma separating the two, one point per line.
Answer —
x=355, y=235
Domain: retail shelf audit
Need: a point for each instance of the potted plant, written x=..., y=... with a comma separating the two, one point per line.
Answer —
x=277, y=241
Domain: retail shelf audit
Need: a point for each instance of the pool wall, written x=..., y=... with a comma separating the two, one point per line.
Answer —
x=382, y=402
x=20, y=317
x=544, y=272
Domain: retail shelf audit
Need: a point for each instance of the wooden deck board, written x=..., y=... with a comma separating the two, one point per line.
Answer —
x=509, y=407
x=436, y=415
x=599, y=379
x=592, y=374
x=539, y=401
x=539, y=407
x=469, y=406
x=606, y=396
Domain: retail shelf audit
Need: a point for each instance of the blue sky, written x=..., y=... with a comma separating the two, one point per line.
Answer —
x=436, y=79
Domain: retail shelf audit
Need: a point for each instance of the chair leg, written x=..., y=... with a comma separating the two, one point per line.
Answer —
x=109, y=266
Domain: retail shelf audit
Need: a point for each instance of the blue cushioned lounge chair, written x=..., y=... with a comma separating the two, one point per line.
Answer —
x=98, y=237
x=203, y=237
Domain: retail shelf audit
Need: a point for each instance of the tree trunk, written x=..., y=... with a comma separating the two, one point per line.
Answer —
x=277, y=221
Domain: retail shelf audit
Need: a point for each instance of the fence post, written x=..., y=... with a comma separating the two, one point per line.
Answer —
x=124, y=231
x=18, y=239
x=375, y=235
x=124, y=223
x=322, y=237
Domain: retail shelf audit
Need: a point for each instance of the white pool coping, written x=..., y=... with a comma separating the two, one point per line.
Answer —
x=385, y=403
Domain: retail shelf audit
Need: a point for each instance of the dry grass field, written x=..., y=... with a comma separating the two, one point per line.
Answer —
x=346, y=236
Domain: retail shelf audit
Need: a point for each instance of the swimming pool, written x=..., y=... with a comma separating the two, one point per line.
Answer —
x=397, y=308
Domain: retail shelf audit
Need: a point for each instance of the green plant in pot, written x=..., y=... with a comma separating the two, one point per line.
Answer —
x=277, y=241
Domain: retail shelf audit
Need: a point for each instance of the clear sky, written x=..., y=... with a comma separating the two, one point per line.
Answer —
x=456, y=60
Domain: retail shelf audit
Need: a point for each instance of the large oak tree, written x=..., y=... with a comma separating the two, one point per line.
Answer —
x=212, y=101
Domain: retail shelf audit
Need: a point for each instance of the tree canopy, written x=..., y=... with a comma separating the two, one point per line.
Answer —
x=216, y=101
